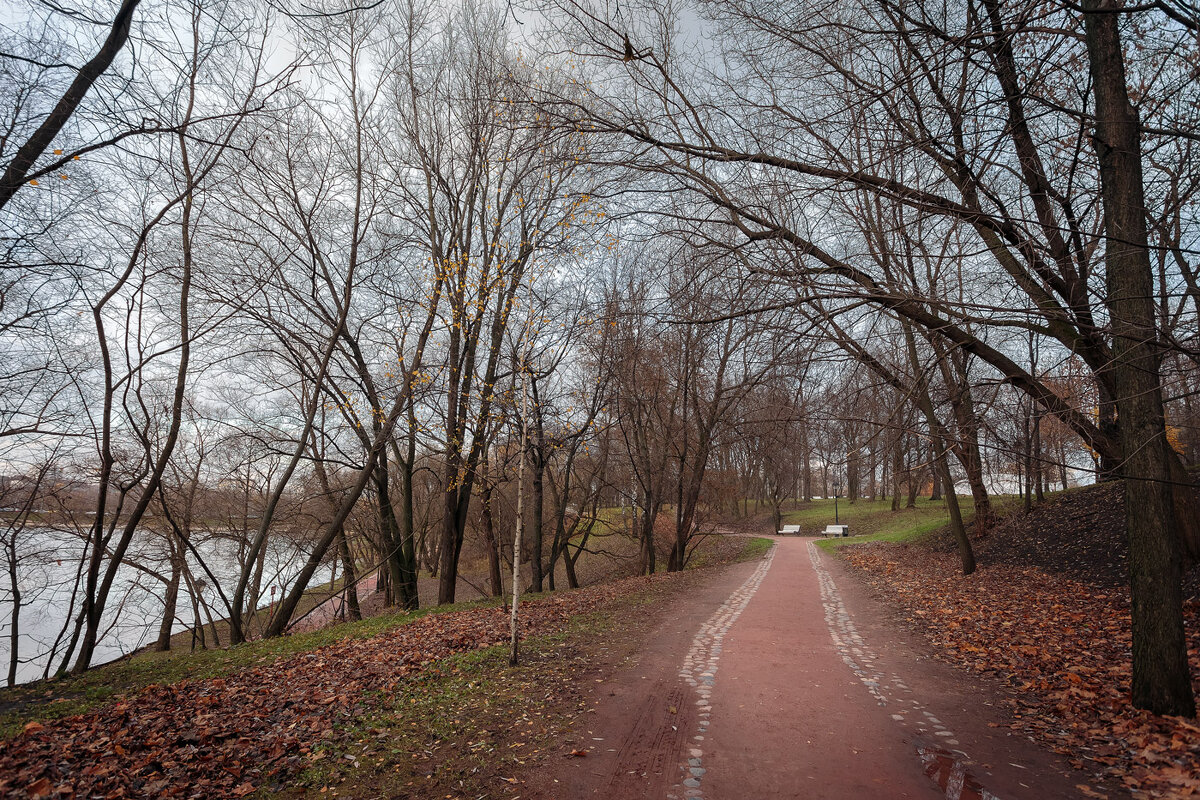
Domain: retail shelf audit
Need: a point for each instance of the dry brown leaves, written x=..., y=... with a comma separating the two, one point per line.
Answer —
x=225, y=737
x=1063, y=646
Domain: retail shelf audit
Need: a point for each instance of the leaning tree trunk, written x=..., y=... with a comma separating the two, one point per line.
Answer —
x=967, y=422
x=170, y=602
x=941, y=464
x=16, y=173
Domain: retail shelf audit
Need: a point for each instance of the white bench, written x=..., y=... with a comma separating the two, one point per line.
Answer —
x=836, y=530
x=790, y=530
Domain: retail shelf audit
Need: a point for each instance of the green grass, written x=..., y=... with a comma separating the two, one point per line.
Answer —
x=754, y=548
x=875, y=521
x=819, y=513
x=468, y=722
x=70, y=695
x=904, y=528
x=869, y=520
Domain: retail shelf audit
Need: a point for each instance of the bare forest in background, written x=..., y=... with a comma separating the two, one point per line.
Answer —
x=368, y=297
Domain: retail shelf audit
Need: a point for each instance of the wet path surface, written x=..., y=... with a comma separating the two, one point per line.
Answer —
x=790, y=718
x=784, y=679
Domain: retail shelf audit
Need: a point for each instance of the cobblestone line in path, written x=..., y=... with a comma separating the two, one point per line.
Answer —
x=945, y=766
x=700, y=671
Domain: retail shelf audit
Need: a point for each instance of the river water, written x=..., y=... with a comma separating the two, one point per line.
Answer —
x=48, y=562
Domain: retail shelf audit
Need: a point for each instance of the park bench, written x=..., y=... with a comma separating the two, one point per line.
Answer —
x=790, y=530
x=836, y=530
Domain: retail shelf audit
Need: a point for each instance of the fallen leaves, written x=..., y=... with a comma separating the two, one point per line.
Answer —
x=1063, y=646
x=39, y=788
x=226, y=737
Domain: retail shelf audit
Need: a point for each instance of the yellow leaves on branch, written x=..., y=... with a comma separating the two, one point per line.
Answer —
x=1174, y=439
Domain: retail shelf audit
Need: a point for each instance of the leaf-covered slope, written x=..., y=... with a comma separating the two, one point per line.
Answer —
x=1079, y=534
x=224, y=737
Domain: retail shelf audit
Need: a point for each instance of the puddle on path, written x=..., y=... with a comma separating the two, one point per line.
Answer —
x=950, y=773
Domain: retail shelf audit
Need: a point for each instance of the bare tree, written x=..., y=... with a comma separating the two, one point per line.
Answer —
x=926, y=100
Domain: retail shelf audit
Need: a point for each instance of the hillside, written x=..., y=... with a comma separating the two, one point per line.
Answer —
x=1079, y=534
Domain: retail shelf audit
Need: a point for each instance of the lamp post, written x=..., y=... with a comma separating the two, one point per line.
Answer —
x=837, y=490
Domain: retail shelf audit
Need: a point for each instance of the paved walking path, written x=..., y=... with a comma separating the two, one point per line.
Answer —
x=783, y=679
x=787, y=699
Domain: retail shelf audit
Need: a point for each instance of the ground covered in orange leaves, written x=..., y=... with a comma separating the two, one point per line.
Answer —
x=1063, y=646
x=227, y=737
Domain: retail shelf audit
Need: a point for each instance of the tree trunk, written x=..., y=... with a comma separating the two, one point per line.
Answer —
x=967, y=450
x=515, y=631
x=1039, y=471
x=872, y=482
x=569, y=567
x=489, y=538
x=408, y=545
x=1161, y=679
x=853, y=479
x=807, y=475
x=941, y=464
x=897, y=470
x=400, y=590
x=646, y=557
x=935, y=492
x=14, y=630
x=351, y=576
x=170, y=600
x=1028, y=466
x=537, y=496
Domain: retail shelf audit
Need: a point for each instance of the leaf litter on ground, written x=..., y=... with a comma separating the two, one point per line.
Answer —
x=225, y=737
x=1064, y=649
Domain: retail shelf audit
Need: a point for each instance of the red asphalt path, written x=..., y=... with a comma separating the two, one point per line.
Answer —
x=786, y=679
x=789, y=718
x=815, y=697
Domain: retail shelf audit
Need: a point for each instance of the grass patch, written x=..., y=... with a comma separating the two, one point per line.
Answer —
x=869, y=520
x=754, y=549
x=904, y=529
x=876, y=522
x=815, y=515
x=467, y=725
x=70, y=695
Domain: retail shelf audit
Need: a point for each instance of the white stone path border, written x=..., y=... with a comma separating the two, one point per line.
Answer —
x=906, y=708
x=700, y=671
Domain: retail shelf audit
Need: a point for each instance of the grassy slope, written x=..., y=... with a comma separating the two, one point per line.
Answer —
x=463, y=728
x=458, y=728
x=874, y=521
x=77, y=694
x=869, y=520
